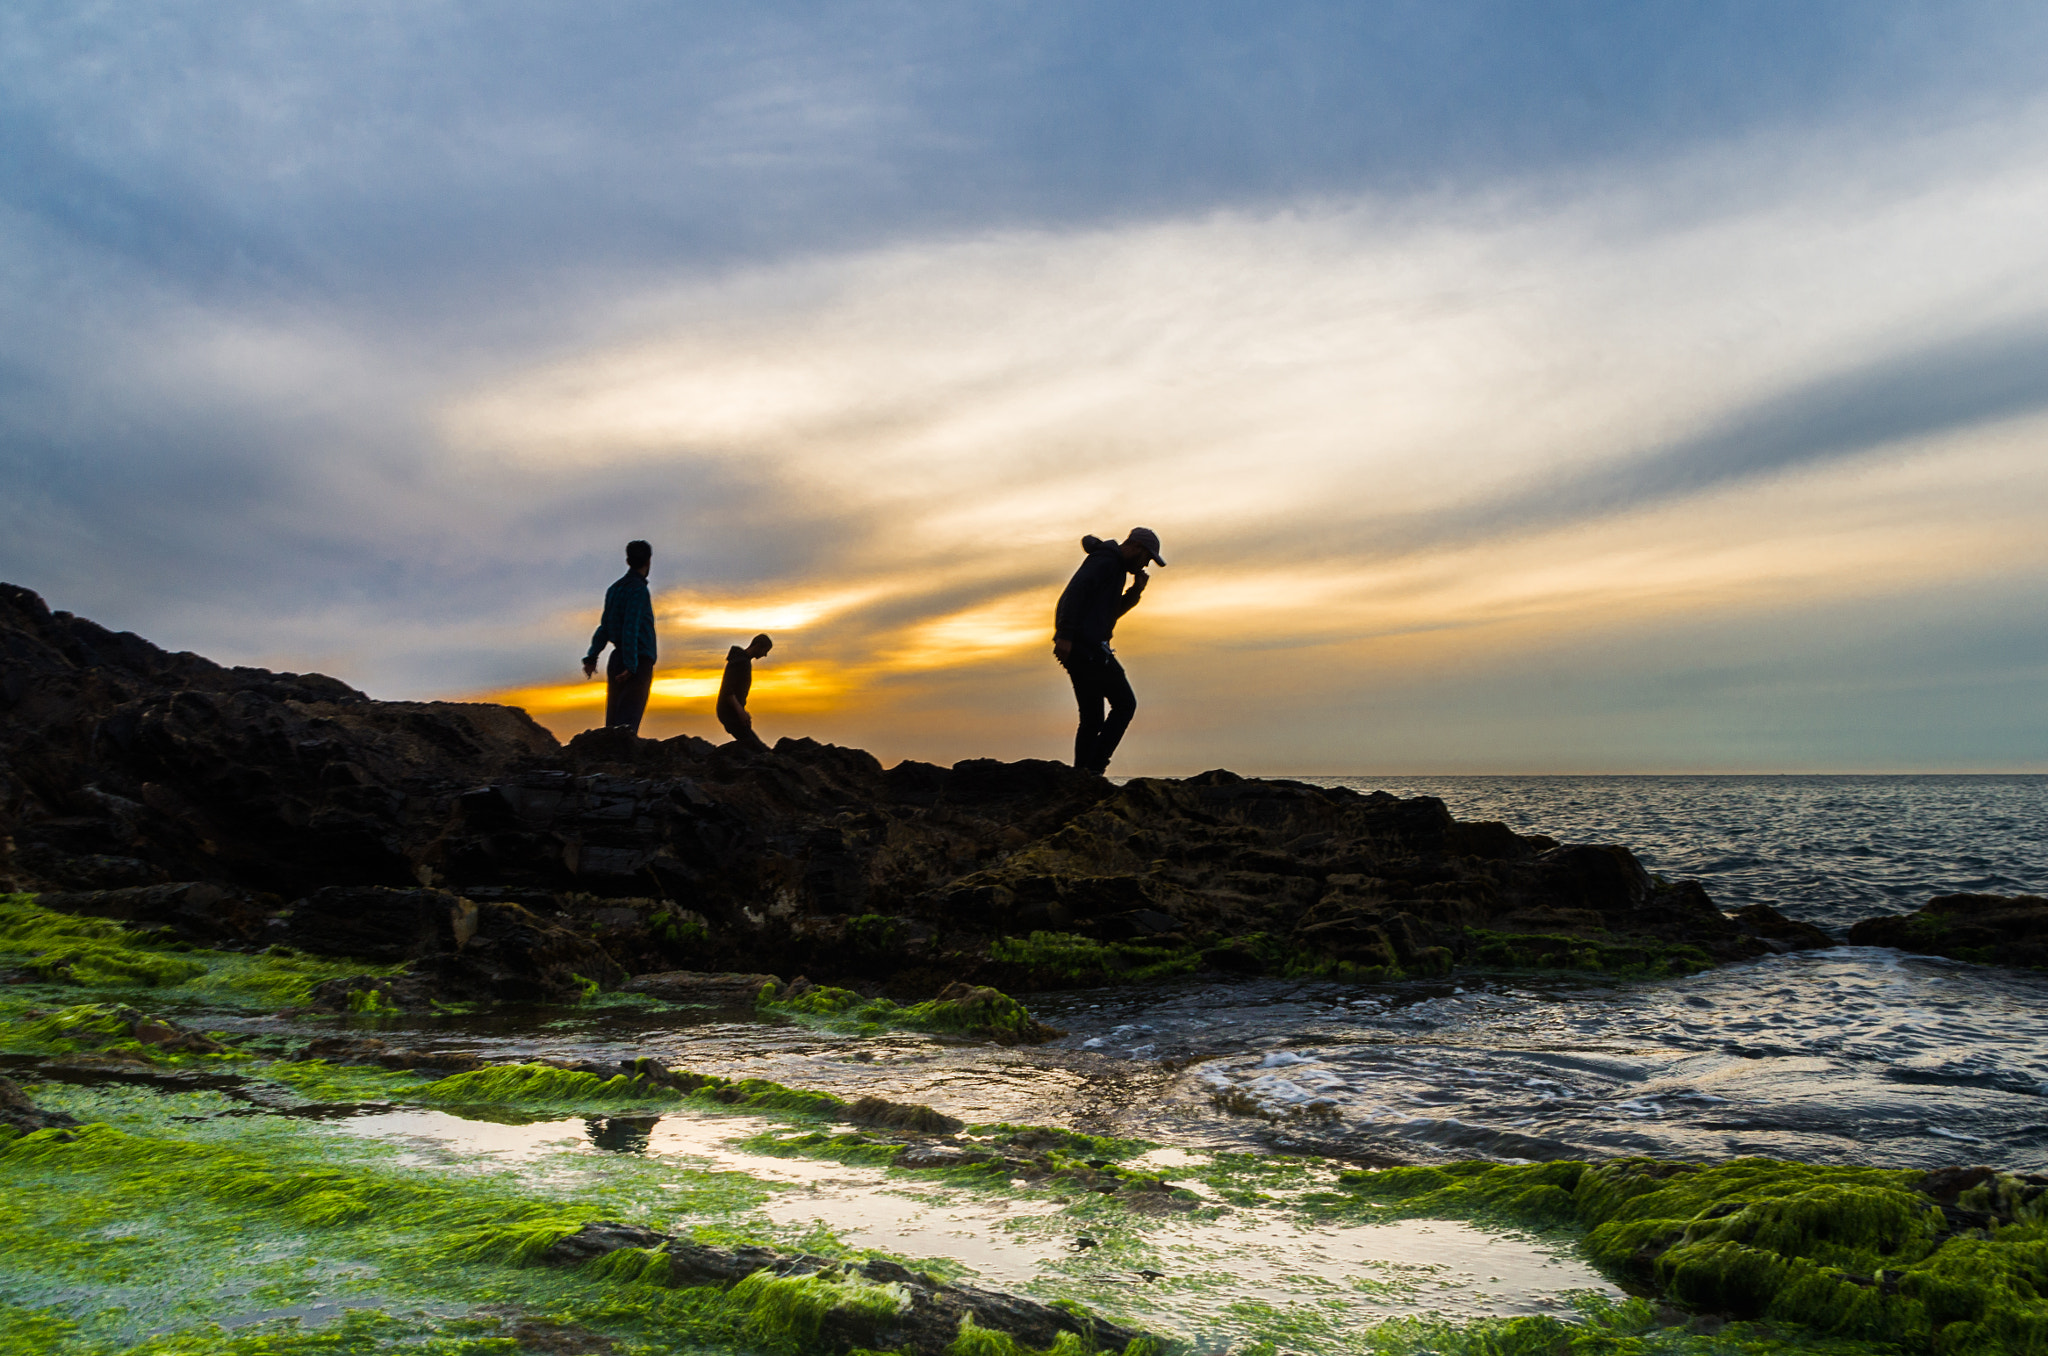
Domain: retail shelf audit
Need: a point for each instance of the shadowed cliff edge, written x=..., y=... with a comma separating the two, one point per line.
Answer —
x=245, y=809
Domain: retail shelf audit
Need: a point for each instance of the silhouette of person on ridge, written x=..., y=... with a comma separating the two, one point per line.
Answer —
x=1083, y=623
x=733, y=690
x=628, y=627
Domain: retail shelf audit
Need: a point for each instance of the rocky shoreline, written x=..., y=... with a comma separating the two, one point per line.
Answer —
x=245, y=809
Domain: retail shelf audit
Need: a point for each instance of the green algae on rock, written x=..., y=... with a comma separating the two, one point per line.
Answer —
x=960, y=1009
x=1952, y=1262
x=102, y=954
x=403, y=1233
x=1983, y=929
x=545, y=1085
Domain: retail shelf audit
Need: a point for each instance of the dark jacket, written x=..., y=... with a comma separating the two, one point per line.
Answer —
x=739, y=676
x=628, y=623
x=1095, y=597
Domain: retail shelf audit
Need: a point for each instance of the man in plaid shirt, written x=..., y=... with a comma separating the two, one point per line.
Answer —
x=628, y=627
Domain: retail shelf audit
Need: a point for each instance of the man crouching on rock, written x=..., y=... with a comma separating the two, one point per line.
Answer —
x=628, y=627
x=1083, y=623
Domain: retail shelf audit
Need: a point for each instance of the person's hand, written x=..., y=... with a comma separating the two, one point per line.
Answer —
x=1139, y=579
x=1062, y=647
x=590, y=668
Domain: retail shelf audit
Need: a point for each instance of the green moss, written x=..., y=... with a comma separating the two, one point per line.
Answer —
x=94, y=952
x=983, y=1012
x=1065, y=958
x=975, y=1340
x=319, y=1081
x=761, y=1094
x=83, y=1026
x=1609, y=956
x=1851, y=1253
x=372, y=1003
x=789, y=1310
x=530, y=1085
x=101, y=953
x=1073, y=1143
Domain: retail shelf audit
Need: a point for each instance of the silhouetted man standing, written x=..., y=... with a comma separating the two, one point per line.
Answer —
x=1083, y=623
x=628, y=627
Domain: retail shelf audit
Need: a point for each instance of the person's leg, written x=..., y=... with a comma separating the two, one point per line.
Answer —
x=1085, y=672
x=739, y=723
x=1123, y=704
x=625, y=697
x=616, y=697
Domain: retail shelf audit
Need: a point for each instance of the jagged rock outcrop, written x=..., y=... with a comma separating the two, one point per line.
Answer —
x=1988, y=929
x=240, y=807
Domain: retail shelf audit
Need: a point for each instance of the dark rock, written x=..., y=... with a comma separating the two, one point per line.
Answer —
x=1987, y=929
x=370, y=1050
x=551, y=1337
x=195, y=911
x=598, y=1238
x=1779, y=932
x=18, y=1113
x=466, y=842
x=928, y=1324
x=382, y=925
x=689, y=986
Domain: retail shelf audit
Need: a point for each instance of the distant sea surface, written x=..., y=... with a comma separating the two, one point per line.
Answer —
x=1828, y=850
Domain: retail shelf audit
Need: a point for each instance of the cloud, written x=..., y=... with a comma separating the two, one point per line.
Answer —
x=1428, y=337
x=1394, y=433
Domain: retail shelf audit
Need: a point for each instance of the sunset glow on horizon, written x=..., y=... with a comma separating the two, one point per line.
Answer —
x=1628, y=390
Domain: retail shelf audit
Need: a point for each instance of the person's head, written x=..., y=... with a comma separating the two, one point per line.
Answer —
x=639, y=556
x=1141, y=546
x=760, y=645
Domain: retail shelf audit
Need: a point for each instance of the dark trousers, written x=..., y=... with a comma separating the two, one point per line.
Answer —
x=1098, y=678
x=625, y=694
x=739, y=724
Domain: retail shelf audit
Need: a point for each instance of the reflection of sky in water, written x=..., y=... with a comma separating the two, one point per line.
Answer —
x=1169, y=1271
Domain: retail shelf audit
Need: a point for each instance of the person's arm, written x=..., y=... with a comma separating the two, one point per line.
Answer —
x=599, y=639
x=1139, y=580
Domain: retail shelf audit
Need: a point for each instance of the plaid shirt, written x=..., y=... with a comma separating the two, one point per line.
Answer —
x=628, y=622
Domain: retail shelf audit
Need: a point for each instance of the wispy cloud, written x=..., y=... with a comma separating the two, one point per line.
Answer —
x=1483, y=422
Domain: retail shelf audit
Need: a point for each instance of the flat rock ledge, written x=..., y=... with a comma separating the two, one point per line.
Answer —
x=1987, y=929
x=691, y=986
x=926, y=1323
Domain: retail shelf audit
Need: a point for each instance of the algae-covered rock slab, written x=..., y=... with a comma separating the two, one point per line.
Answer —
x=1952, y=1262
x=846, y=1305
x=1987, y=929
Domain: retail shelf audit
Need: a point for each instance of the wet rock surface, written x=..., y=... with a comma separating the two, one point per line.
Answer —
x=1987, y=929
x=690, y=986
x=927, y=1321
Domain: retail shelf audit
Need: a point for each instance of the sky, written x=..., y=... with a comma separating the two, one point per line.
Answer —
x=1568, y=387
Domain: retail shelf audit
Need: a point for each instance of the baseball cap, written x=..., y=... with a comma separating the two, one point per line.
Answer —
x=1148, y=539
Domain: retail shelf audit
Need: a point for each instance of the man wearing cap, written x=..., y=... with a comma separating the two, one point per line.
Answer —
x=1083, y=623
